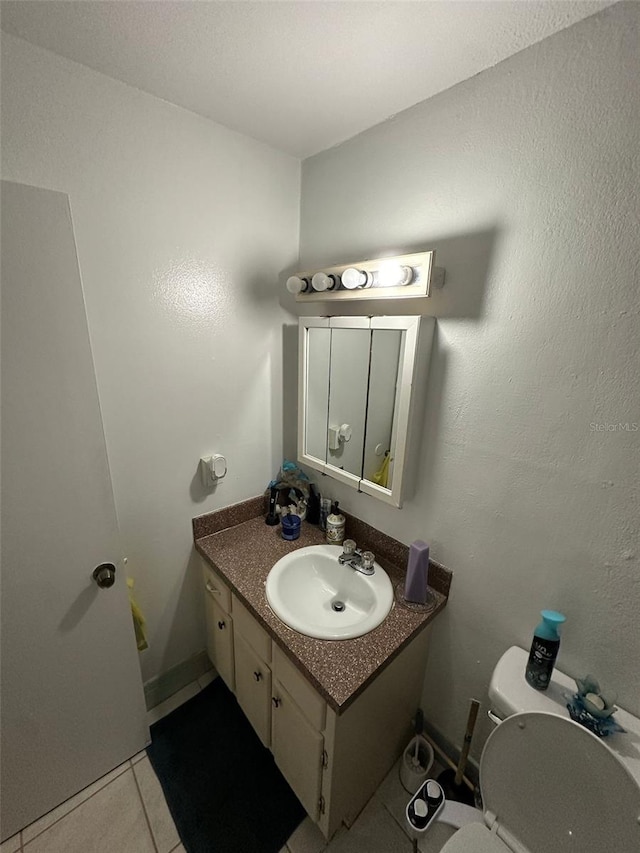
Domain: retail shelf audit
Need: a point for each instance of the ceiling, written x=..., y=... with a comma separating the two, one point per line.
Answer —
x=301, y=76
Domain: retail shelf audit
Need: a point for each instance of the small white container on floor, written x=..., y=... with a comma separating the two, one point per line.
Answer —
x=417, y=760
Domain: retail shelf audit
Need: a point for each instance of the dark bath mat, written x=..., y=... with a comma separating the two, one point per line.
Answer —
x=223, y=788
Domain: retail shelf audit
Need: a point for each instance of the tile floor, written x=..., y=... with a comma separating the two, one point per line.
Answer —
x=125, y=812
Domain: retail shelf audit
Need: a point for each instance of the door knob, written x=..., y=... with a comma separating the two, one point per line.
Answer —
x=105, y=575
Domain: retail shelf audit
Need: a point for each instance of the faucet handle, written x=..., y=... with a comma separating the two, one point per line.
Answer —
x=368, y=559
x=348, y=547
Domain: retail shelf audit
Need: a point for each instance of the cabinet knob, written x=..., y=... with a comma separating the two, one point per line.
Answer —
x=275, y=702
x=257, y=676
x=221, y=625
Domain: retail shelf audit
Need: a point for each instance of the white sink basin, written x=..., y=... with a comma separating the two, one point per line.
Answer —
x=315, y=595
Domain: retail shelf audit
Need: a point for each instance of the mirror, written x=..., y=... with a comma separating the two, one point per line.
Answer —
x=316, y=422
x=347, y=398
x=379, y=445
x=356, y=383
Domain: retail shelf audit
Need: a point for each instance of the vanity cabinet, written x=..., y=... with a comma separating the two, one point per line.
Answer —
x=253, y=689
x=298, y=720
x=253, y=670
x=297, y=749
x=219, y=627
x=333, y=762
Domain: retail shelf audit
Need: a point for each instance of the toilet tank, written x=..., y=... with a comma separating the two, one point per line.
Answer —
x=509, y=694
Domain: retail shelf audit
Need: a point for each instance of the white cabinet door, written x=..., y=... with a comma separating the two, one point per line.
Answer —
x=297, y=749
x=216, y=587
x=253, y=688
x=220, y=639
x=72, y=699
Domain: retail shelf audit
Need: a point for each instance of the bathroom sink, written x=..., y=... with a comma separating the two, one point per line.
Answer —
x=314, y=594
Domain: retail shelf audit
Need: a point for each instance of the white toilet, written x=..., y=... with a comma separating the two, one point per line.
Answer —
x=548, y=784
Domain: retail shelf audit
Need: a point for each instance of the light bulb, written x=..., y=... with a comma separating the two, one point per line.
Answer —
x=393, y=275
x=295, y=284
x=321, y=281
x=353, y=278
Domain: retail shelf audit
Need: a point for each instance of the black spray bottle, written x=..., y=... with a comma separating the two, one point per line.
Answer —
x=544, y=650
x=272, y=517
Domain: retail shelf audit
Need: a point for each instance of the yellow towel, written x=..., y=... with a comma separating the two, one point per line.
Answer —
x=139, y=621
x=381, y=476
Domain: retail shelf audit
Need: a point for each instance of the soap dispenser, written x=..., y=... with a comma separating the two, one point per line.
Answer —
x=335, y=526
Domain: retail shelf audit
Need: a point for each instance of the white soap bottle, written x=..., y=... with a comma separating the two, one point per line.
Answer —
x=335, y=526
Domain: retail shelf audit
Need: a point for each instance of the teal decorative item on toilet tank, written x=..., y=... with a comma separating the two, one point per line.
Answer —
x=544, y=649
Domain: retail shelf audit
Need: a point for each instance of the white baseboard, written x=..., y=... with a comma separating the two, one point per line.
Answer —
x=159, y=688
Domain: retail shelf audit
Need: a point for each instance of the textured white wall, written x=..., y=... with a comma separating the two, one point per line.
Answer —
x=525, y=181
x=182, y=228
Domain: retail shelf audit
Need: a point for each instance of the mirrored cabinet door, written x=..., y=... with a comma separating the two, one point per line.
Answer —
x=380, y=434
x=348, y=382
x=317, y=380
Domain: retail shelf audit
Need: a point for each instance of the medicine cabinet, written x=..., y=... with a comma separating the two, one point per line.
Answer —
x=358, y=382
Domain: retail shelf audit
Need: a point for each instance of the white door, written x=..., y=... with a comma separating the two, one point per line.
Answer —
x=72, y=698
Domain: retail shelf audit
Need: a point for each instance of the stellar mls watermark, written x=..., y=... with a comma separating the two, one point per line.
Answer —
x=620, y=426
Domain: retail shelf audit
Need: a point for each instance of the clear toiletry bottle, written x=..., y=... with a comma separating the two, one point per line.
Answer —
x=544, y=650
x=335, y=526
x=325, y=509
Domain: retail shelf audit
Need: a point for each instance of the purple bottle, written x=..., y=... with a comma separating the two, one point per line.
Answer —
x=415, y=585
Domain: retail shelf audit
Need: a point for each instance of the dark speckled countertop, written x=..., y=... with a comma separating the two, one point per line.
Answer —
x=243, y=549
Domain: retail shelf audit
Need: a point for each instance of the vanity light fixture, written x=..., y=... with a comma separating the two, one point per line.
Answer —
x=383, y=278
x=296, y=285
x=322, y=281
x=353, y=278
x=391, y=274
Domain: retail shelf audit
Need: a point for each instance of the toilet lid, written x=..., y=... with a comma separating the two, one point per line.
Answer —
x=474, y=838
x=552, y=785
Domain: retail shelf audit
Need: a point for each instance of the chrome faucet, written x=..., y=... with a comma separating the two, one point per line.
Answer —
x=359, y=561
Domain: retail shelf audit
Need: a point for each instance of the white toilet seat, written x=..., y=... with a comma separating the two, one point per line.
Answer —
x=548, y=784
x=475, y=838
